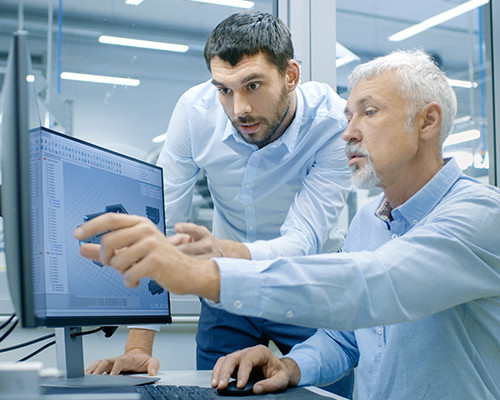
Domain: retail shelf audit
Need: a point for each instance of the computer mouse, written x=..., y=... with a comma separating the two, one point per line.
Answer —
x=233, y=390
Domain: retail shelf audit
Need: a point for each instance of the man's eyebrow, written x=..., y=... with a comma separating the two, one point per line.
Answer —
x=217, y=83
x=247, y=79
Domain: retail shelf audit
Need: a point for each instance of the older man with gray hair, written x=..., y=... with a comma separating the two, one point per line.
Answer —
x=414, y=300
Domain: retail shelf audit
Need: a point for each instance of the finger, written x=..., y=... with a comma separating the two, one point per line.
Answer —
x=91, y=368
x=227, y=366
x=195, y=249
x=105, y=222
x=114, y=242
x=90, y=250
x=216, y=380
x=197, y=232
x=275, y=383
x=244, y=370
x=117, y=367
x=179, y=238
x=103, y=366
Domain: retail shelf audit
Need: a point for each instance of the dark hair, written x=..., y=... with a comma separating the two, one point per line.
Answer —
x=247, y=34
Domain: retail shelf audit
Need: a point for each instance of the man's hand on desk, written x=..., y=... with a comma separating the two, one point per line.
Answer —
x=198, y=241
x=133, y=361
x=278, y=373
x=137, y=357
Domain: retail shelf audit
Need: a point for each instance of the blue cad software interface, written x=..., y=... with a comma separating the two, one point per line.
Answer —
x=72, y=182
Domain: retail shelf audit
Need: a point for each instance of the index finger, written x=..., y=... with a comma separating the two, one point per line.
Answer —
x=220, y=376
x=105, y=222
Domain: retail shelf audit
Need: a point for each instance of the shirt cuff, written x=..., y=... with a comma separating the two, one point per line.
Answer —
x=258, y=250
x=148, y=327
x=307, y=368
x=232, y=298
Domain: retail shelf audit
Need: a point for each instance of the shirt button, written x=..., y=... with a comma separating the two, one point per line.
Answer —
x=251, y=228
x=414, y=222
x=247, y=186
x=289, y=314
x=394, y=236
x=379, y=331
x=249, y=207
x=238, y=304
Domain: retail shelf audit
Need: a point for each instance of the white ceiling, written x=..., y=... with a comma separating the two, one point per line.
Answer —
x=127, y=118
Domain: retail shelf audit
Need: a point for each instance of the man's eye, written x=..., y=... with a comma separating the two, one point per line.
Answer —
x=224, y=91
x=253, y=86
x=370, y=111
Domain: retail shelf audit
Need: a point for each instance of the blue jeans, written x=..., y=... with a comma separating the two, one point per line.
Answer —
x=220, y=333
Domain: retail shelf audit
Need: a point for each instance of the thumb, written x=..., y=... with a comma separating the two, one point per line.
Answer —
x=153, y=366
x=197, y=232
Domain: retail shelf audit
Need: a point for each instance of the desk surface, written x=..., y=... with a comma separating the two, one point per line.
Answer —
x=202, y=378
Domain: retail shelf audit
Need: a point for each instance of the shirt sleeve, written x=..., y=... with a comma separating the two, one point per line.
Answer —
x=325, y=357
x=180, y=172
x=314, y=215
x=452, y=259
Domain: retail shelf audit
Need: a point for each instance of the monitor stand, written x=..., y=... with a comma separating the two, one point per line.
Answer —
x=69, y=352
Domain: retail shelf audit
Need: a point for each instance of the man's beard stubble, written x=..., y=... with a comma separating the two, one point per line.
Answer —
x=365, y=177
x=281, y=111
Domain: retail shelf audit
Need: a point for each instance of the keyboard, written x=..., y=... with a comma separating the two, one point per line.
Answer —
x=168, y=392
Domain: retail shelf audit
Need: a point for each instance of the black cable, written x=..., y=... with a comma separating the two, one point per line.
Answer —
x=7, y=322
x=76, y=334
x=9, y=331
x=18, y=346
x=37, y=351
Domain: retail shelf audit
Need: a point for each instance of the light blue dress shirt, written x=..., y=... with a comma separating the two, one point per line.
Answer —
x=283, y=199
x=417, y=296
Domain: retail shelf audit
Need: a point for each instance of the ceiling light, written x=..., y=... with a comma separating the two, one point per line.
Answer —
x=437, y=19
x=462, y=84
x=133, y=2
x=159, y=138
x=145, y=44
x=229, y=3
x=344, y=55
x=112, y=80
x=462, y=137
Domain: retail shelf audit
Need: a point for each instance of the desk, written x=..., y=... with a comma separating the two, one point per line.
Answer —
x=176, y=378
x=202, y=378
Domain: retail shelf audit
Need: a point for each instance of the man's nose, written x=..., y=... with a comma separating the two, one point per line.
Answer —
x=350, y=132
x=241, y=105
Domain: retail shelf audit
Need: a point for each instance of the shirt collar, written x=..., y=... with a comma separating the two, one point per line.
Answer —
x=422, y=202
x=289, y=137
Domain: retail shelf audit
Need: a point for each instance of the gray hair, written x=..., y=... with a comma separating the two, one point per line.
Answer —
x=421, y=82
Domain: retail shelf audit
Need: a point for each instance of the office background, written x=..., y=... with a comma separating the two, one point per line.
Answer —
x=331, y=38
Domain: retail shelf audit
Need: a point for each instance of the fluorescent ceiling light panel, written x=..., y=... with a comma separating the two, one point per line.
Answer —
x=112, y=80
x=159, y=138
x=144, y=44
x=344, y=55
x=229, y=3
x=437, y=19
x=462, y=84
x=133, y=2
x=462, y=137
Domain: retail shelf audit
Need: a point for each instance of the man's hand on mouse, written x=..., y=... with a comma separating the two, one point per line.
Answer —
x=277, y=373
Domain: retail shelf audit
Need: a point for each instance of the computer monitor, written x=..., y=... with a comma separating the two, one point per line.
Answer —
x=51, y=183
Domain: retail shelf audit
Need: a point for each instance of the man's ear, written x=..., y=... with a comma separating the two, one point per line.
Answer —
x=292, y=75
x=431, y=117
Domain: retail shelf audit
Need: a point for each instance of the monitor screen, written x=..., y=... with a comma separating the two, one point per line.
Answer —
x=71, y=182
